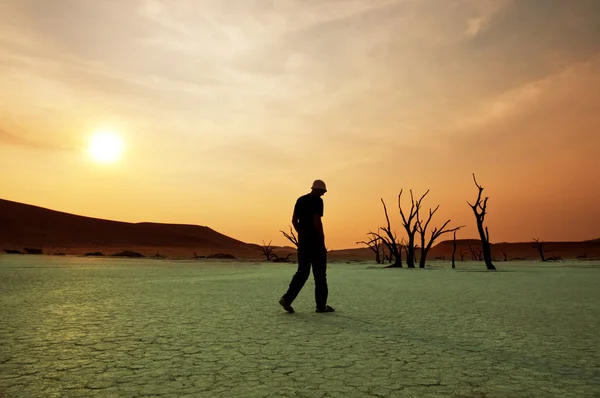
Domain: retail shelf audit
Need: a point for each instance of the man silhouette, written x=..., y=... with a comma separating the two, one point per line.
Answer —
x=311, y=249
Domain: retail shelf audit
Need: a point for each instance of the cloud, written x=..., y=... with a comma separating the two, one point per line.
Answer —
x=385, y=69
x=572, y=91
x=22, y=140
x=11, y=139
x=474, y=25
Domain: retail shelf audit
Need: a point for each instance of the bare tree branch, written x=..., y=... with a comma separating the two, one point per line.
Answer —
x=267, y=250
x=375, y=245
x=291, y=236
x=435, y=234
x=390, y=240
x=454, y=250
x=479, y=210
x=540, y=248
x=411, y=224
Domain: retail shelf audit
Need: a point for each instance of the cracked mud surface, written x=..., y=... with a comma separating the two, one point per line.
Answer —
x=75, y=327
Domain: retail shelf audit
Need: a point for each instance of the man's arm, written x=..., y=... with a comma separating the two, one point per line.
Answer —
x=317, y=219
x=295, y=222
x=319, y=225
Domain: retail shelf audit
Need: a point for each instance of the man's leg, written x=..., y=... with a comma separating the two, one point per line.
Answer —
x=299, y=278
x=319, y=265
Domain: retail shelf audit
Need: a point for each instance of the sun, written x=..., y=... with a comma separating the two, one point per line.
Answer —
x=105, y=147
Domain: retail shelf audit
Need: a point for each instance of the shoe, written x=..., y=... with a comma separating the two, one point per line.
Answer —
x=326, y=309
x=286, y=306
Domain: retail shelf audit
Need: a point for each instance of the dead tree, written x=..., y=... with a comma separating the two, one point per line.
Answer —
x=473, y=254
x=390, y=241
x=375, y=245
x=554, y=257
x=277, y=259
x=405, y=247
x=454, y=250
x=462, y=254
x=291, y=236
x=504, y=254
x=476, y=255
x=410, y=224
x=582, y=257
x=267, y=250
x=479, y=209
x=435, y=233
x=385, y=257
x=540, y=248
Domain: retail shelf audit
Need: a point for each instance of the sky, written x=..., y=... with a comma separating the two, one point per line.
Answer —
x=228, y=111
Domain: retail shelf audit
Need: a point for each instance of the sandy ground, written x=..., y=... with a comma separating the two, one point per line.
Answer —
x=82, y=327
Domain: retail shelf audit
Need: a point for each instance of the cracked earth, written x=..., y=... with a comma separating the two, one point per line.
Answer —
x=79, y=327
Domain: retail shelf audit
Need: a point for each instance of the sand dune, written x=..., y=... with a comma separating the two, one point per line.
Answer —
x=514, y=250
x=23, y=225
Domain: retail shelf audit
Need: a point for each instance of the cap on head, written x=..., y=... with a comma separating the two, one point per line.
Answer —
x=320, y=185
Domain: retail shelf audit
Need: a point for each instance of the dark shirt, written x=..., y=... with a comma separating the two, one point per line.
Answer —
x=306, y=208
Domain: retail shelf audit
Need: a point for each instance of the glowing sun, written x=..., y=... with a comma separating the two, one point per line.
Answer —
x=105, y=147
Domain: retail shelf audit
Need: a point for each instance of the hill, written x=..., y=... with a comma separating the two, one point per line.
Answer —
x=513, y=250
x=23, y=225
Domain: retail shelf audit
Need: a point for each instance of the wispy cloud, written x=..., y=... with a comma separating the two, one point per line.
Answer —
x=20, y=139
x=11, y=139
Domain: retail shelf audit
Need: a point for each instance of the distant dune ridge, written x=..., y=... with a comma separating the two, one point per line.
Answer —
x=23, y=225
x=28, y=226
x=514, y=251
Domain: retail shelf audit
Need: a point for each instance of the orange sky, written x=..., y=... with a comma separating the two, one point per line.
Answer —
x=229, y=110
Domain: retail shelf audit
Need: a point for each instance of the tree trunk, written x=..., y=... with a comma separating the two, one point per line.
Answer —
x=454, y=251
x=540, y=248
x=487, y=250
x=423, y=258
x=479, y=209
x=410, y=252
x=424, y=251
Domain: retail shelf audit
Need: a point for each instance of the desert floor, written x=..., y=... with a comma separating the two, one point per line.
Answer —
x=87, y=327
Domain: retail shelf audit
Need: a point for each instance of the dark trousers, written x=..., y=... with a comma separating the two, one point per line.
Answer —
x=309, y=254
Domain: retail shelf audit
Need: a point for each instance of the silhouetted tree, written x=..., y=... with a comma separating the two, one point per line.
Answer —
x=479, y=209
x=504, y=254
x=454, y=250
x=277, y=259
x=410, y=224
x=375, y=245
x=291, y=236
x=385, y=256
x=476, y=255
x=435, y=233
x=540, y=248
x=389, y=239
x=405, y=247
x=267, y=250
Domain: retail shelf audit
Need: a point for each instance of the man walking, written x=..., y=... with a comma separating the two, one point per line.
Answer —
x=311, y=249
